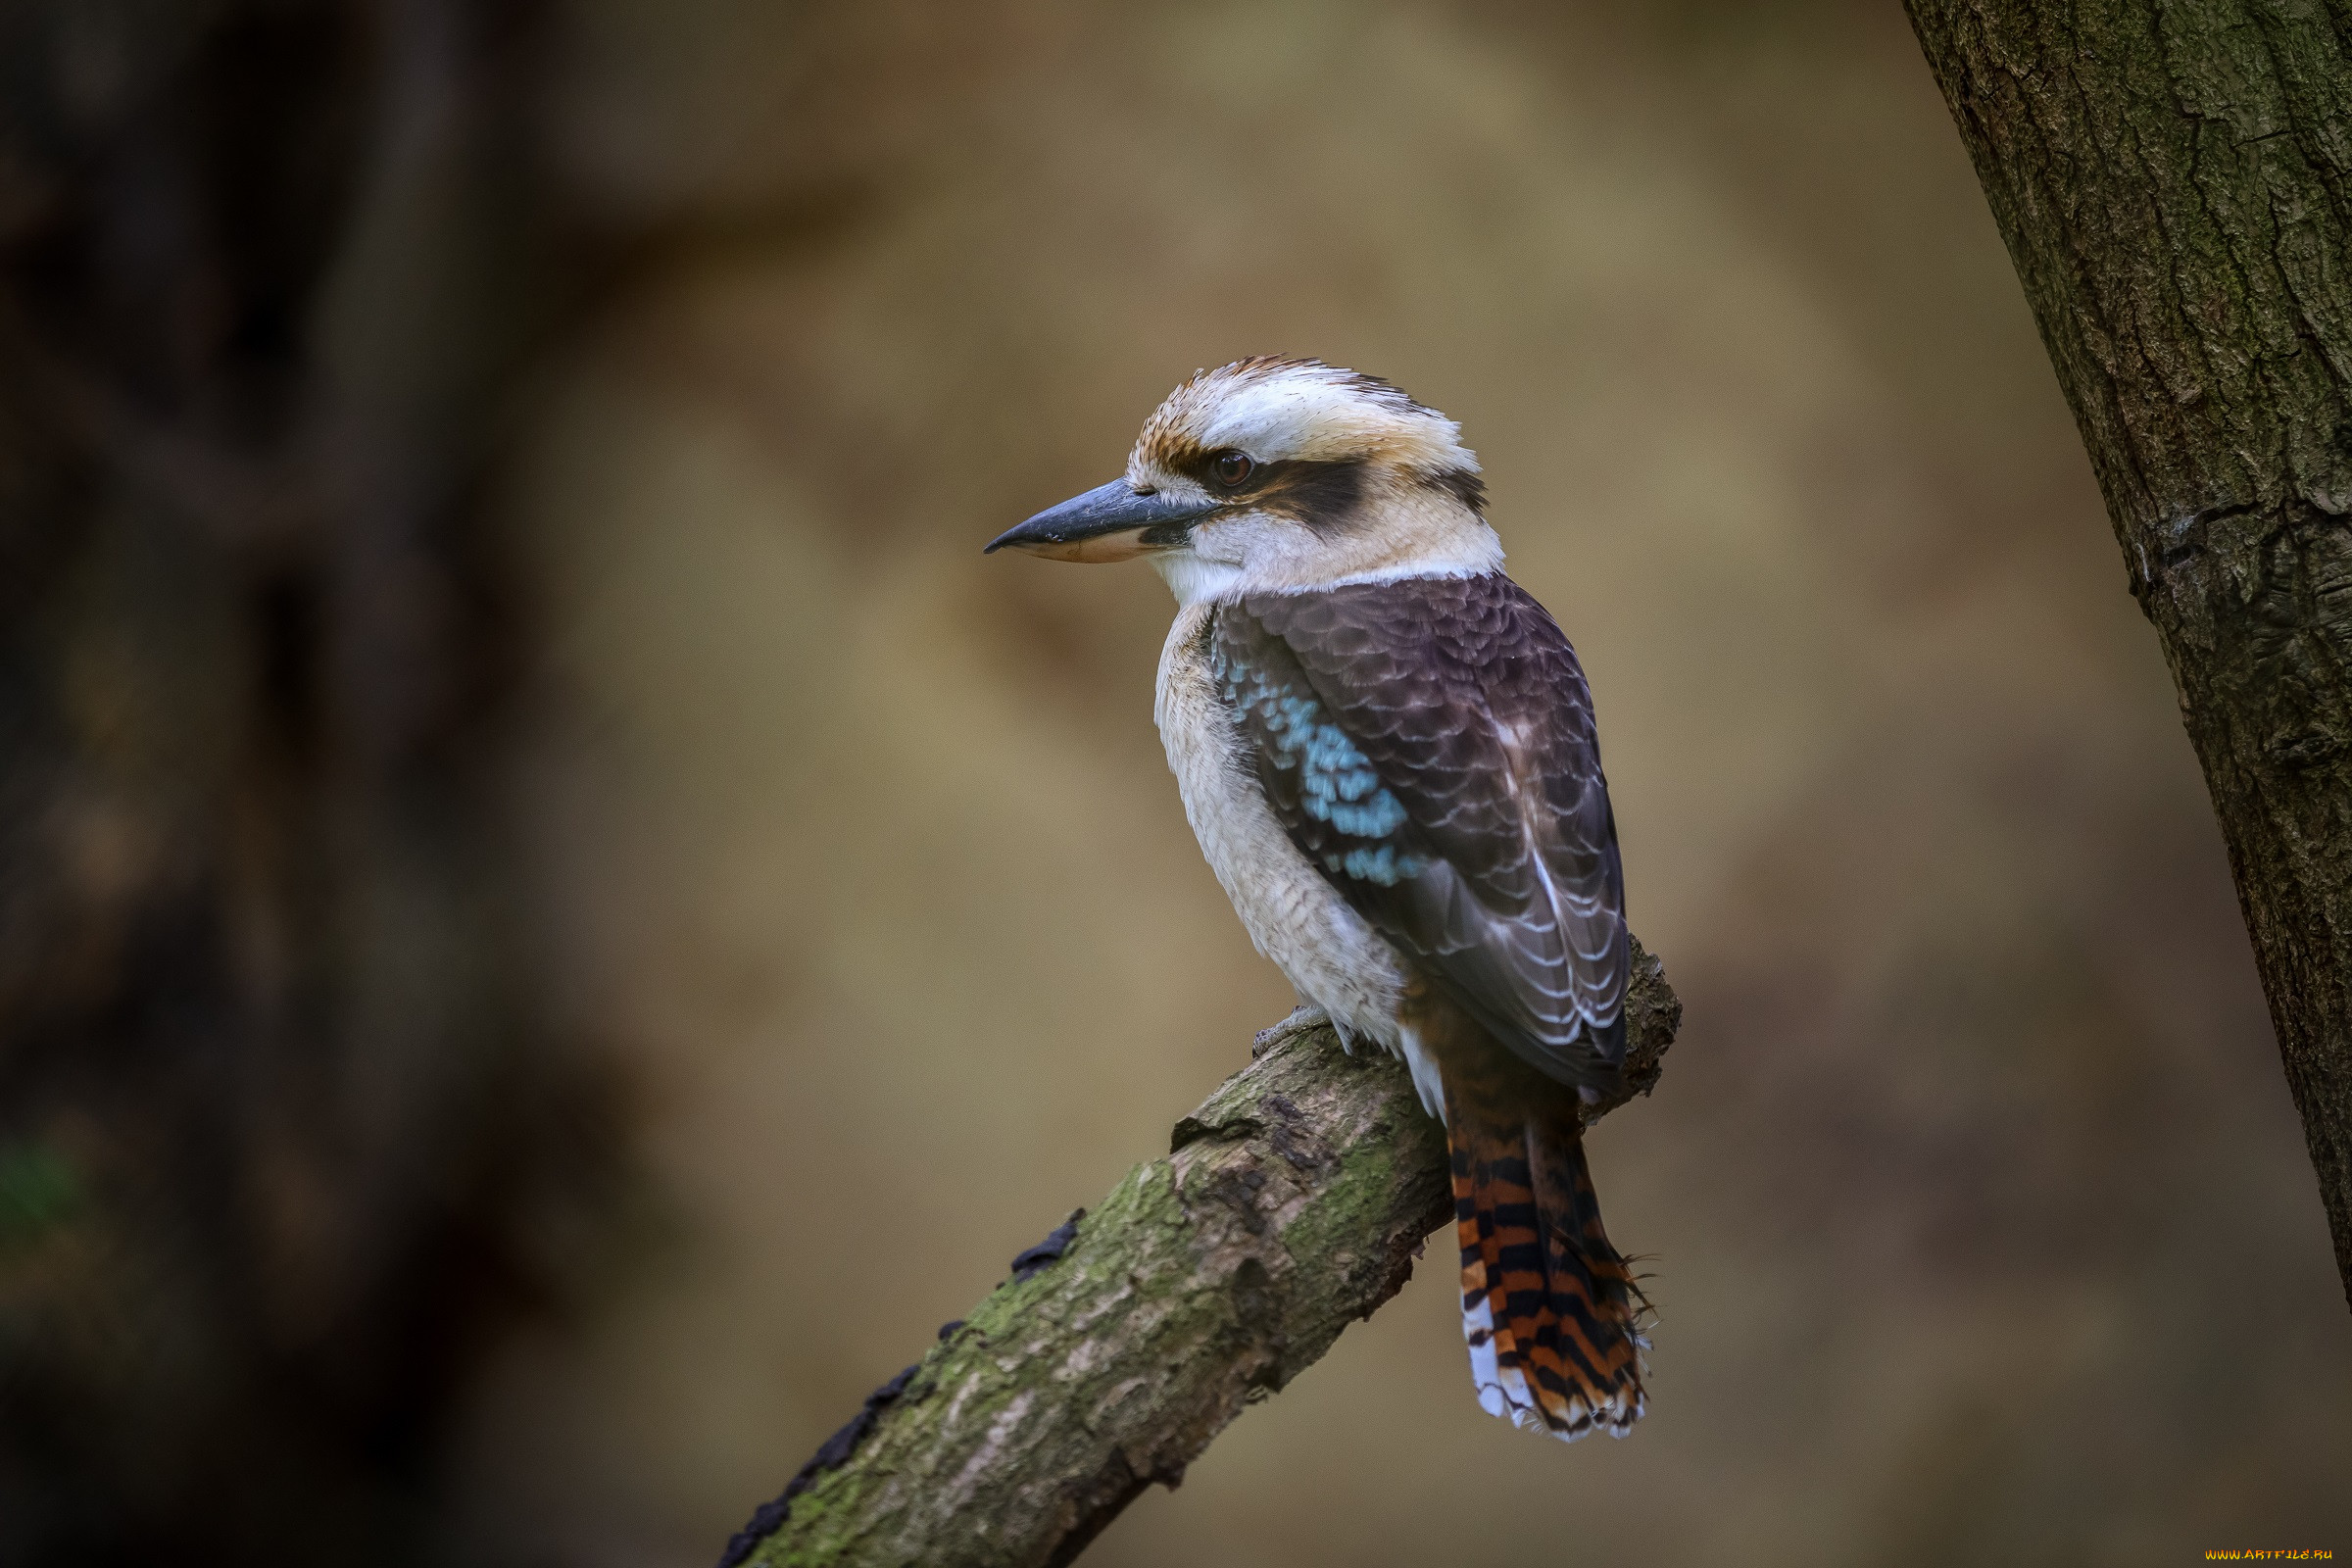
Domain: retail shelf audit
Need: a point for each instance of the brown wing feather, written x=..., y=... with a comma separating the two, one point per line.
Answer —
x=1429, y=744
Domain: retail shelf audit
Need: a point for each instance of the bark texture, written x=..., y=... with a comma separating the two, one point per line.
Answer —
x=1291, y=1204
x=2174, y=180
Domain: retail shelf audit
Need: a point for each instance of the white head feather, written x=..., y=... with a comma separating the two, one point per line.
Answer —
x=1359, y=482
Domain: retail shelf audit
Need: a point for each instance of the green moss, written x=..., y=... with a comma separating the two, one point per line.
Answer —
x=39, y=1190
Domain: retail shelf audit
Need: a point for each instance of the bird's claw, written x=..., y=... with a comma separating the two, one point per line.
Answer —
x=1302, y=1020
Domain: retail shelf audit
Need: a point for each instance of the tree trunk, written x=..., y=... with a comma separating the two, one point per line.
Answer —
x=2174, y=178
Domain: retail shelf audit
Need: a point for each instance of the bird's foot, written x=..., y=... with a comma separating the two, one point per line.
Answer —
x=1302, y=1020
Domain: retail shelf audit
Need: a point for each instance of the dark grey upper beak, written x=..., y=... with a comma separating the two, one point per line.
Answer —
x=1113, y=508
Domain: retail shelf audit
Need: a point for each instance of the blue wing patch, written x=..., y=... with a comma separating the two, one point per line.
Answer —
x=1334, y=780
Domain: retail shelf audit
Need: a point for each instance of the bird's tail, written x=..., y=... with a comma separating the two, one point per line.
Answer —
x=1550, y=1309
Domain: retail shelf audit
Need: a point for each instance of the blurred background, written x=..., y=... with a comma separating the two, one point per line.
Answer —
x=556, y=917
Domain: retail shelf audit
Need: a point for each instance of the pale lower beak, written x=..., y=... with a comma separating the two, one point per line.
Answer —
x=1114, y=521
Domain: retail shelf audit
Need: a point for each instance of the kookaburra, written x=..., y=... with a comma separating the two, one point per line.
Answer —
x=1386, y=747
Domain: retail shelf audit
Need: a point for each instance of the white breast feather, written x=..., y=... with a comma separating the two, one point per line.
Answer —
x=1333, y=959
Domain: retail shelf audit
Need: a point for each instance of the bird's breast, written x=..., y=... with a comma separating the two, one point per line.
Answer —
x=1295, y=917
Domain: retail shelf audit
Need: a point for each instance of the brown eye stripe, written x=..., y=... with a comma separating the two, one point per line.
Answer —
x=1322, y=494
x=1463, y=485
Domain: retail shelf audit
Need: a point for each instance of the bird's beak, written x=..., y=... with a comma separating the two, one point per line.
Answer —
x=1111, y=522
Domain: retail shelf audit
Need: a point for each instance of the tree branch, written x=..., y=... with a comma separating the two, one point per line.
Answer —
x=1291, y=1203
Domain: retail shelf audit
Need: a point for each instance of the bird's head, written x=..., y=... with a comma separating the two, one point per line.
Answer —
x=1281, y=475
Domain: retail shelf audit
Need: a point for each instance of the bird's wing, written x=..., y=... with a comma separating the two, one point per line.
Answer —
x=1428, y=743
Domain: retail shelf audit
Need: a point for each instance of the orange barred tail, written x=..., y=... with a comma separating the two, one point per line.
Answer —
x=1549, y=1306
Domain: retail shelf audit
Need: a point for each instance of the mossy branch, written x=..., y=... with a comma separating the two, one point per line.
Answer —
x=1291, y=1203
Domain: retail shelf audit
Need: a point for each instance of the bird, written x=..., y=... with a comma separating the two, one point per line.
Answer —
x=1386, y=749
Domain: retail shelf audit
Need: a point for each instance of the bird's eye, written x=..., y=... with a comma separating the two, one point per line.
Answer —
x=1230, y=467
